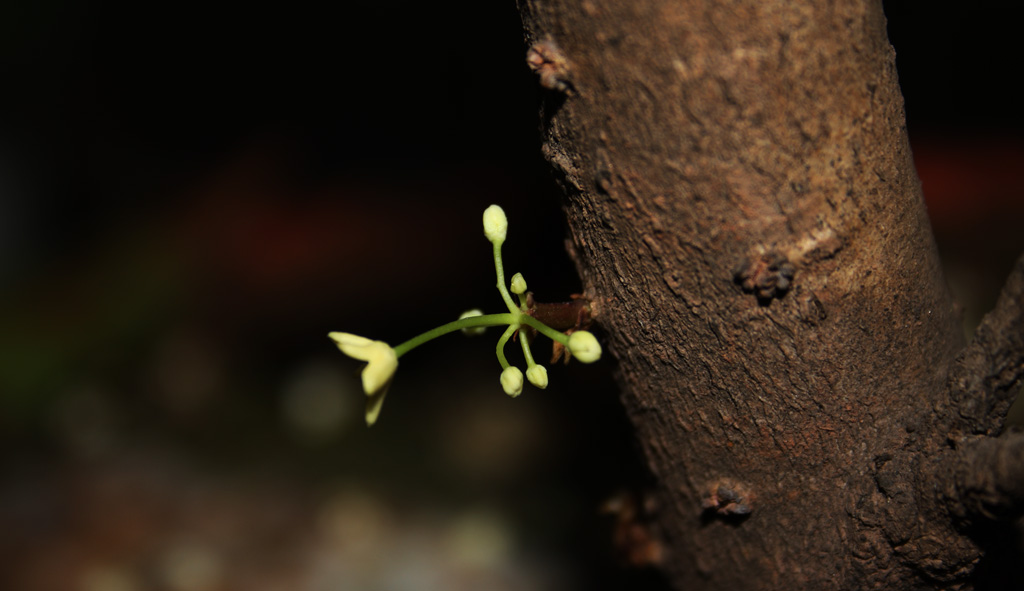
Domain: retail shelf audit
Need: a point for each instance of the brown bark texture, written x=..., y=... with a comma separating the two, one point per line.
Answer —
x=745, y=215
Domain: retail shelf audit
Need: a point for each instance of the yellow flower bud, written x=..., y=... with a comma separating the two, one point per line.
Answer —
x=495, y=224
x=373, y=406
x=518, y=284
x=512, y=381
x=380, y=358
x=538, y=376
x=584, y=346
x=381, y=363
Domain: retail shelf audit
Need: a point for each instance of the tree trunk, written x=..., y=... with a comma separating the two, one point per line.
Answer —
x=750, y=229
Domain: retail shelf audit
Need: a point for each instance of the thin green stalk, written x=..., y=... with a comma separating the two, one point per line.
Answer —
x=526, y=350
x=544, y=329
x=512, y=328
x=471, y=322
x=500, y=270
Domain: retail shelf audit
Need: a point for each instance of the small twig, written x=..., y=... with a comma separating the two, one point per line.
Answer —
x=986, y=479
x=986, y=376
x=572, y=315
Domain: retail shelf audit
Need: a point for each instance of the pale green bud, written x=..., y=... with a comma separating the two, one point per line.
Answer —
x=538, y=376
x=473, y=331
x=584, y=346
x=512, y=381
x=495, y=224
x=518, y=284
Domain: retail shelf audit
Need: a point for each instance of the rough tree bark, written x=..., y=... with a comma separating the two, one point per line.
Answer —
x=747, y=220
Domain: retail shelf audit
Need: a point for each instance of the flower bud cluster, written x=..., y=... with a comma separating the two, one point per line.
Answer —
x=382, y=359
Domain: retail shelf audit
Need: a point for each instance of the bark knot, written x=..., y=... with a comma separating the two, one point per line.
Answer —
x=549, y=63
x=728, y=499
x=767, y=276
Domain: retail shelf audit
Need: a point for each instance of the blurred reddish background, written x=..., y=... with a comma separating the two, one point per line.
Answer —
x=192, y=196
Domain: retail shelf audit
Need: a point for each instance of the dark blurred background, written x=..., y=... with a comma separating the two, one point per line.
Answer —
x=192, y=196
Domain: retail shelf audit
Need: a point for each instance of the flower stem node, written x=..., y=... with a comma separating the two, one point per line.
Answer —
x=473, y=331
x=512, y=381
x=538, y=376
x=584, y=346
x=518, y=286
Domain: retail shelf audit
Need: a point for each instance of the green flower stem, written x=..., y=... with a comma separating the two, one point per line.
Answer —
x=471, y=322
x=526, y=350
x=499, y=269
x=513, y=319
x=500, y=350
x=544, y=329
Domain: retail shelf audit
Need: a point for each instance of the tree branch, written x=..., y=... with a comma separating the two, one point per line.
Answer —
x=987, y=479
x=986, y=376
